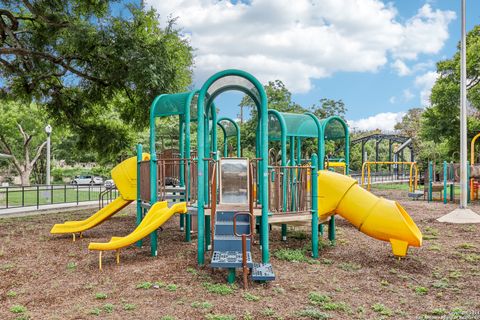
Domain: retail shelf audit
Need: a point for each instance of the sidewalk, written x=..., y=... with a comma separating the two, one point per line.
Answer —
x=48, y=208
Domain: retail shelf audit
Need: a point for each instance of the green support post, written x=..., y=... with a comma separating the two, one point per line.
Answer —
x=445, y=182
x=181, y=147
x=430, y=182
x=314, y=206
x=153, y=175
x=139, y=201
x=468, y=182
x=231, y=275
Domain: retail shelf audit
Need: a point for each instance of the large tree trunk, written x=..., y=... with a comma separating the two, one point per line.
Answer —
x=25, y=176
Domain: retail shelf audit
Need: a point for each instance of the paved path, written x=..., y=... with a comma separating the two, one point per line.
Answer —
x=48, y=208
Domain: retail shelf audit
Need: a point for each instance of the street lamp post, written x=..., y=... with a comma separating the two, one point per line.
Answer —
x=48, y=130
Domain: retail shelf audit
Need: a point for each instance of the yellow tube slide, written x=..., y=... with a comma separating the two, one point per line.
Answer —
x=125, y=177
x=379, y=218
x=158, y=214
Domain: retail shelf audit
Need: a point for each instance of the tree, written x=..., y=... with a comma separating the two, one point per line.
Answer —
x=279, y=98
x=441, y=120
x=329, y=108
x=22, y=136
x=95, y=70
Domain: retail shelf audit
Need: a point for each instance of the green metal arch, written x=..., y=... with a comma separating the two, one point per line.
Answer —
x=325, y=122
x=262, y=106
x=237, y=133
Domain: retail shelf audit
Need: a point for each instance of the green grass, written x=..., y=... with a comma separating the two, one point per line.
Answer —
x=268, y=312
x=129, y=306
x=18, y=309
x=201, y=305
x=12, y=294
x=316, y=298
x=171, y=287
x=382, y=310
x=466, y=246
x=71, y=266
x=291, y=255
x=250, y=297
x=421, y=291
x=221, y=289
x=471, y=257
x=95, y=311
x=100, y=296
x=391, y=186
x=60, y=195
x=108, y=307
x=349, y=266
x=167, y=318
x=144, y=285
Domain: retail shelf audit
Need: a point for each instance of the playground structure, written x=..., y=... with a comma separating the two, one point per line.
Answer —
x=366, y=179
x=228, y=198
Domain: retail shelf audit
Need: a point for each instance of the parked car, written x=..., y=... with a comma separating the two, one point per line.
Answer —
x=109, y=184
x=79, y=180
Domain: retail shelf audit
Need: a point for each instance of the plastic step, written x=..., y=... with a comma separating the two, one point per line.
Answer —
x=226, y=228
x=229, y=259
x=229, y=243
x=228, y=216
x=262, y=272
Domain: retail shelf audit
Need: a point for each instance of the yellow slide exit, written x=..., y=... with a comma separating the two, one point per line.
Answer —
x=379, y=218
x=158, y=214
x=125, y=177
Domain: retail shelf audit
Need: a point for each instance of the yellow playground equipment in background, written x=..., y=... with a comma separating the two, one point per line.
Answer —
x=474, y=184
x=125, y=177
x=412, y=179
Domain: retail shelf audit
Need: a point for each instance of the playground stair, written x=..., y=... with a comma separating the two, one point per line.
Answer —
x=227, y=246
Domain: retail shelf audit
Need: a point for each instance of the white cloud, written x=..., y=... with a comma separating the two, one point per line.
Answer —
x=302, y=40
x=425, y=82
x=408, y=95
x=401, y=68
x=393, y=100
x=384, y=121
x=426, y=32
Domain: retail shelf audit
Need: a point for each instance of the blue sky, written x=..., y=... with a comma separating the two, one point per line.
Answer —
x=377, y=56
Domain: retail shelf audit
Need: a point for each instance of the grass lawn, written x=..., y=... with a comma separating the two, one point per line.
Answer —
x=59, y=194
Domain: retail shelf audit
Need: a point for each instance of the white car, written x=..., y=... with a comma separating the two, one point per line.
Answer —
x=79, y=180
x=109, y=184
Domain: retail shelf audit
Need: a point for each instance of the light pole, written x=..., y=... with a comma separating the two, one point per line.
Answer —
x=48, y=130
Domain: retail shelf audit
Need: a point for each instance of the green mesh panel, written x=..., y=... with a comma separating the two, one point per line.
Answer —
x=334, y=129
x=233, y=82
x=298, y=125
x=171, y=104
x=230, y=129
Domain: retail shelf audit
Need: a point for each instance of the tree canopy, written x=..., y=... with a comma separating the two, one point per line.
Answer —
x=441, y=121
x=94, y=69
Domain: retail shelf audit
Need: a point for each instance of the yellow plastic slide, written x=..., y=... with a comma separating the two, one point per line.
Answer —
x=125, y=177
x=379, y=218
x=158, y=214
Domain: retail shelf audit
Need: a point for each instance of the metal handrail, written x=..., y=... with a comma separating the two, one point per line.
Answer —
x=244, y=243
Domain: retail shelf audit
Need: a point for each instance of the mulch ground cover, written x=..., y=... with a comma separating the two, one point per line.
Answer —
x=50, y=277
